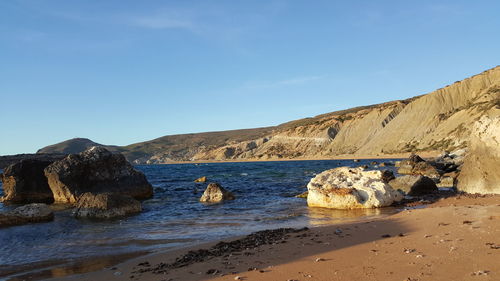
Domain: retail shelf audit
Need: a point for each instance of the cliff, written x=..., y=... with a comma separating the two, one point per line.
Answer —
x=440, y=120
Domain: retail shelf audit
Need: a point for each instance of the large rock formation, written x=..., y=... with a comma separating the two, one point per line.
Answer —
x=8, y=160
x=414, y=185
x=25, y=182
x=350, y=188
x=216, y=193
x=31, y=213
x=95, y=170
x=106, y=206
x=481, y=169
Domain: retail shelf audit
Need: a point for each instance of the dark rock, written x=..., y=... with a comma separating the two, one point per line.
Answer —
x=216, y=193
x=24, y=182
x=32, y=213
x=95, y=170
x=414, y=185
x=417, y=166
x=387, y=176
x=415, y=158
x=106, y=206
x=8, y=160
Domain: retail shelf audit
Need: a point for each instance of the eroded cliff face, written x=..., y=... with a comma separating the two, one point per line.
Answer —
x=440, y=120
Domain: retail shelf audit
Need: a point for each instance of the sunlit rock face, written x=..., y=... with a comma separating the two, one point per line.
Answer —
x=481, y=169
x=106, y=206
x=350, y=188
x=215, y=193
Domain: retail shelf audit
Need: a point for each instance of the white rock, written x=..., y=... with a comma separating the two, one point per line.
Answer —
x=480, y=172
x=350, y=188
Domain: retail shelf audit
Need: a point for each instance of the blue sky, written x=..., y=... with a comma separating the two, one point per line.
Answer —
x=120, y=72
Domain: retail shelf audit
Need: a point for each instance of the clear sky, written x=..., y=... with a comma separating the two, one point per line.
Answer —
x=120, y=72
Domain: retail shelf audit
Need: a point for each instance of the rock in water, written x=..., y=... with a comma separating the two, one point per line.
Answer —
x=95, y=170
x=31, y=213
x=216, y=193
x=350, y=188
x=480, y=172
x=414, y=185
x=202, y=179
x=24, y=182
x=302, y=195
x=106, y=206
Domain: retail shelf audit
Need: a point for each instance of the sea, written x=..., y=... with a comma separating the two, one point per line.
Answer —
x=265, y=199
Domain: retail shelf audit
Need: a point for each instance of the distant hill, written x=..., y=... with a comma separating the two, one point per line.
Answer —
x=440, y=120
x=75, y=145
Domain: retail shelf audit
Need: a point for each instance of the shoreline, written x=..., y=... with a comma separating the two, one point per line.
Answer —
x=424, y=154
x=464, y=226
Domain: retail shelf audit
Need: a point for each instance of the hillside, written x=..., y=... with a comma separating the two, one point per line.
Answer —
x=75, y=145
x=440, y=120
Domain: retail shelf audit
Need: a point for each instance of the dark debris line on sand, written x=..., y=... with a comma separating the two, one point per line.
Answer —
x=254, y=240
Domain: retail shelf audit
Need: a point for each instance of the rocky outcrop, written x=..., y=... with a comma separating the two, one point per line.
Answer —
x=24, y=182
x=216, y=193
x=414, y=185
x=480, y=172
x=350, y=188
x=95, y=170
x=106, y=206
x=32, y=213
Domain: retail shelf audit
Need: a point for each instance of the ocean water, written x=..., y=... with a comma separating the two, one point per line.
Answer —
x=174, y=217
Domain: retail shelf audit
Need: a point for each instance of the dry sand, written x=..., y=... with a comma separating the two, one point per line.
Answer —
x=457, y=238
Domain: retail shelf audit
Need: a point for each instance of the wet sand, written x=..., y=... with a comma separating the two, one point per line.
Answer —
x=457, y=238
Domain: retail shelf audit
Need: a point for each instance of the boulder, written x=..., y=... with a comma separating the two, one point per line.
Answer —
x=202, y=179
x=387, y=176
x=31, y=213
x=24, y=182
x=350, y=188
x=216, y=193
x=414, y=185
x=480, y=172
x=95, y=170
x=446, y=182
x=106, y=206
x=415, y=158
x=415, y=165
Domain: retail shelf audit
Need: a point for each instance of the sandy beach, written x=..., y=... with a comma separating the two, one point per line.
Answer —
x=457, y=238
